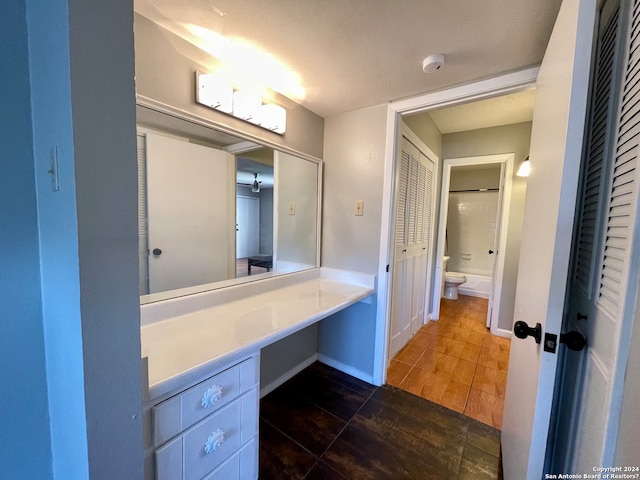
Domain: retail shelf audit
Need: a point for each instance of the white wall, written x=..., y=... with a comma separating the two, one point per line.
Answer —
x=353, y=170
x=488, y=141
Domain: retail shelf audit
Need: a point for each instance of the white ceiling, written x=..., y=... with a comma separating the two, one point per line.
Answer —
x=493, y=112
x=351, y=54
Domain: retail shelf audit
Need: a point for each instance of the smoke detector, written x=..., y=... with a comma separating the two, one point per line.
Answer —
x=433, y=63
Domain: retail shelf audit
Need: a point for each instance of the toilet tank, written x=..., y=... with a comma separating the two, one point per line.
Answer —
x=445, y=259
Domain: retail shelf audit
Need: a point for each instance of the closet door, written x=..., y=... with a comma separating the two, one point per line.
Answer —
x=414, y=203
x=400, y=307
x=605, y=284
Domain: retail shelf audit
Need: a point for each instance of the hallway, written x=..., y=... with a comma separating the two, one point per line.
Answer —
x=456, y=362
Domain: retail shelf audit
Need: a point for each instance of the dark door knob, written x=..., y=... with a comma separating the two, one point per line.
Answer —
x=157, y=252
x=573, y=340
x=522, y=330
x=580, y=316
x=490, y=252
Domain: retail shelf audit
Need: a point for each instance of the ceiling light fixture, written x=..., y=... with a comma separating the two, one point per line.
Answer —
x=525, y=168
x=255, y=186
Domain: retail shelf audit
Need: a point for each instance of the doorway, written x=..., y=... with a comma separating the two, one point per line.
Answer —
x=454, y=360
x=477, y=247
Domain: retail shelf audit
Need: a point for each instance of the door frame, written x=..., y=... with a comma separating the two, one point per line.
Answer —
x=504, y=200
x=484, y=89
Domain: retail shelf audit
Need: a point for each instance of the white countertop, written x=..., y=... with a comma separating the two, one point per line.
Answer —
x=185, y=349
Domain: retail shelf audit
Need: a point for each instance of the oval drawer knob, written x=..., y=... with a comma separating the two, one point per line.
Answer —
x=215, y=441
x=212, y=396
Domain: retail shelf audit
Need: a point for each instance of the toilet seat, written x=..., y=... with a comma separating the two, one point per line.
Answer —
x=454, y=277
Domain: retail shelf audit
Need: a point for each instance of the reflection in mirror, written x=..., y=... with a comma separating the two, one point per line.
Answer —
x=254, y=212
x=216, y=210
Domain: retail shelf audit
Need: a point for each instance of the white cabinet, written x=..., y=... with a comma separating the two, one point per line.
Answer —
x=209, y=431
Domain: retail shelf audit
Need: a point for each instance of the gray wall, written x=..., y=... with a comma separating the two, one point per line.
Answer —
x=81, y=103
x=353, y=170
x=422, y=125
x=296, y=182
x=280, y=357
x=24, y=408
x=462, y=179
x=165, y=71
x=488, y=141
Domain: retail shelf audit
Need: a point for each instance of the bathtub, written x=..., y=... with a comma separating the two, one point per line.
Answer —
x=475, y=286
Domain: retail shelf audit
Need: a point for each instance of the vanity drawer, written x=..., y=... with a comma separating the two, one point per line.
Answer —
x=211, y=448
x=243, y=465
x=189, y=407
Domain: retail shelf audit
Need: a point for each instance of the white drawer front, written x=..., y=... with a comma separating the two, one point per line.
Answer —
x=210, y=395
x=186, y=409
x=213, y=440
x=242, y=465
x=169, y=461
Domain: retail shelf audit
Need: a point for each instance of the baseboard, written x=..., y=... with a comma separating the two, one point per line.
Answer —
x=472, y=293
x=501, y=332
x=354, y=372
x=265, y=390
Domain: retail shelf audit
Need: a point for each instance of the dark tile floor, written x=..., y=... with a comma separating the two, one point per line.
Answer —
x=325, y=425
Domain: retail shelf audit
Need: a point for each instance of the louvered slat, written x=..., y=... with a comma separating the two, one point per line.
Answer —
x=142, y=188
x=422, y=187
x=623, y=191
x=601, y=119
x=401, y=209
x=413, y=201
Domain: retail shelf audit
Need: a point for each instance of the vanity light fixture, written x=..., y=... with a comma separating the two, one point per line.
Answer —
x=255, y=186
x=247, y=106
x=525, y=168
x=273, y=117
x=214, y=91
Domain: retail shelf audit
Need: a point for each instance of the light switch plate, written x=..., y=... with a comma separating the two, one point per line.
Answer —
x=53, y=169
x=359, y=208
x=292, y=208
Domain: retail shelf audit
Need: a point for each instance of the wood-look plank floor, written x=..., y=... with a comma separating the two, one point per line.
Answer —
x=326, y=425
x=456, y=362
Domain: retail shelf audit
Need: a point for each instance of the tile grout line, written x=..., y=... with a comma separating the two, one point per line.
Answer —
x=348, y=423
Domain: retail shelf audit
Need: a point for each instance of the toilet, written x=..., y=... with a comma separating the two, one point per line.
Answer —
x=451, y=280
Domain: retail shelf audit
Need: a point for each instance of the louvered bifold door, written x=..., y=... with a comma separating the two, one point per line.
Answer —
x=622, y=201
x=599, y=142
x=143, y=232
x=606, y=250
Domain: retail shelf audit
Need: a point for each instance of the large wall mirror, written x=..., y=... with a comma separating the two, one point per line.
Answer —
x=216, y=209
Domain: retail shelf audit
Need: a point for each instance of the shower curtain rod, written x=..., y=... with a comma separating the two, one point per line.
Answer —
x=476, y=190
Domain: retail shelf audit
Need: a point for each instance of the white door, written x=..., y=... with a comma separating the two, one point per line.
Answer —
x=400, y=332
x=247, y=226
x=190, y=214
x=492, y=308
x=414, y=204
x=556, y=146
x=601, y=289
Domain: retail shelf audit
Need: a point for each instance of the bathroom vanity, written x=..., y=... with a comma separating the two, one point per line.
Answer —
x=201, y=355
